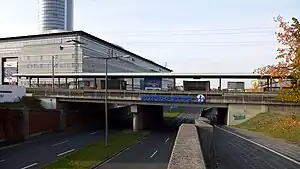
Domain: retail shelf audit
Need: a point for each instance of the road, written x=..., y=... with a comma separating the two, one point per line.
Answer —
x=45, y=149
x=151, y=153
x=232, y=152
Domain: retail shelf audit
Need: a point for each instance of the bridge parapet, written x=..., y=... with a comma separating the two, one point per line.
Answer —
x=137, y=96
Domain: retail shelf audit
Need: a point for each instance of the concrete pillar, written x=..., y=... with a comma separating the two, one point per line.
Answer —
x=25, y=123
x=141, y=120
x=62, y=120
x=264, y=109
x=135, y=122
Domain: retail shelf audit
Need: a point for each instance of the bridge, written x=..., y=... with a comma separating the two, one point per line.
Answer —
x=150, y=97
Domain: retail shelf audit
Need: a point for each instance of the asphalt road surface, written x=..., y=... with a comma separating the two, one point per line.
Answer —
x=153, y=152
x=45, y=149
x=234, y=152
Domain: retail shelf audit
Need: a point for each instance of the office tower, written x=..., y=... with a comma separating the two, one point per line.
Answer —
x=56, y=15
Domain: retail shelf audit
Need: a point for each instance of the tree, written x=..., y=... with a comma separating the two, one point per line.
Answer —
x=288, y=57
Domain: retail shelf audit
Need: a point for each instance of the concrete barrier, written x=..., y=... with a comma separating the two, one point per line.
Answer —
x=205, y=132
x=187, y=152
x=206, y=120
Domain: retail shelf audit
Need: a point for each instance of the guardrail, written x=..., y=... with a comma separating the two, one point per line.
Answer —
x=157, y=92
x=136, y=96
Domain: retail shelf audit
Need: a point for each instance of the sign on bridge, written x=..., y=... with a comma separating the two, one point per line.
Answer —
x=177, y=99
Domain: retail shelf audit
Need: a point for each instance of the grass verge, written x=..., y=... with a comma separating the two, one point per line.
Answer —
x=171, y=114
x=286, y=127
x=96, y=153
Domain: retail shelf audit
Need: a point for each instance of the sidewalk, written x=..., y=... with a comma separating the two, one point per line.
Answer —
x=278, y=145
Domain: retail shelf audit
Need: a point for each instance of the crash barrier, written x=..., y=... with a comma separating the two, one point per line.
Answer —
x=187, y=153
x=205, y=133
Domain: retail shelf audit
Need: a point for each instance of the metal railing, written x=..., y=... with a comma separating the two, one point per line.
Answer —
x=136, y=95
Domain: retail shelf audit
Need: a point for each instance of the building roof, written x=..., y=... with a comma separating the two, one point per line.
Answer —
x=143, y=75
x=84, y=34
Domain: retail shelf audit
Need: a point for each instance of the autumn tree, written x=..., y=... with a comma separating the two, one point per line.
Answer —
x=288, y=58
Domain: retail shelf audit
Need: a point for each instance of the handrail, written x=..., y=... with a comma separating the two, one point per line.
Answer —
x=155, y=92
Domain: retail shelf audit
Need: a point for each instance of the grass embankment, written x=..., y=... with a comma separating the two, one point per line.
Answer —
x=286, y=127
x=96, y=153
x=171, y=114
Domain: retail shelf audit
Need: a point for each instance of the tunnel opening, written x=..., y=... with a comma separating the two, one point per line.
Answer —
x=222, y=116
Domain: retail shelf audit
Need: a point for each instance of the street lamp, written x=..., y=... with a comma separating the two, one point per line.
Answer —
x=110, y=56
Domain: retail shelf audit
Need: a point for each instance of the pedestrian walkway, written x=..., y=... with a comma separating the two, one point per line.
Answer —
x=278, y=145
x=233, y=152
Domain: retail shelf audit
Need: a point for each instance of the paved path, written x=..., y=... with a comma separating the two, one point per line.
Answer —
x=233, y=152
x=45, y=149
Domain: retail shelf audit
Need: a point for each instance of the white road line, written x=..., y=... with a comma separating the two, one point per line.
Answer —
x=167, y=140
x=154, y=153
x=66, y=152
x=14, y=145
x=95, y=132
x=121, y=152
x=262, y=146
x=29, y=166
x=63, y=142
x=1, y=161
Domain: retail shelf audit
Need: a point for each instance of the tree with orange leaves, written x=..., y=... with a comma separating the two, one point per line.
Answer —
x=288, y=57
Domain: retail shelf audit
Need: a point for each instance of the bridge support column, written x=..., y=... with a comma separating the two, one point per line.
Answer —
x=62, y=116
x=25, y=123
x=135, y=121
x=136, y=118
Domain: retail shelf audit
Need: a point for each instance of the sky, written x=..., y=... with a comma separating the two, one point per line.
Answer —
x=189, y=36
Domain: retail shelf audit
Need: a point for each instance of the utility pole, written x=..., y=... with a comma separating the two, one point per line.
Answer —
x=110, y=54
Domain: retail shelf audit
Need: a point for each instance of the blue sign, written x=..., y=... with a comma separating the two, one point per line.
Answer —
x=167, y=98
x=200, y=98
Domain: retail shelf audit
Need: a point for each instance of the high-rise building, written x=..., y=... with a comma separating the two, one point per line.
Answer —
x=55, y=15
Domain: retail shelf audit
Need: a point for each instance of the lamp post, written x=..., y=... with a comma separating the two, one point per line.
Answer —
x=110, y=56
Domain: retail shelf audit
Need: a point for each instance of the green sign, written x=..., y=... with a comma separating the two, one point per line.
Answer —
x=239, y=117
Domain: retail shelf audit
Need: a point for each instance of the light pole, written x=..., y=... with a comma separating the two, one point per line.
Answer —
x=110, y=56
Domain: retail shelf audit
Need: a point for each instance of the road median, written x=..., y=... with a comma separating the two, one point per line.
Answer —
x=95, y=154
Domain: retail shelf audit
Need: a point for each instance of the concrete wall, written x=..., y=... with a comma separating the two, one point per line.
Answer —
x=187, y=153
x=238, y=113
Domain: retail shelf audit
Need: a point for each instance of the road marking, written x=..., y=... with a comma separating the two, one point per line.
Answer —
x=96, y=132
x=154, y=153
x=66, y=152
x=167, y=140
x=1, y=161
x=121, y=152
x=14, y=145
x=262, y=146
x=59, y=143
x=29, y=166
